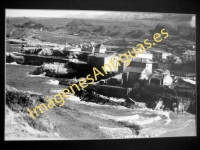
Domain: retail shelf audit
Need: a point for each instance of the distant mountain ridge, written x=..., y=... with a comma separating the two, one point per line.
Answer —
x=128, y=16
x=112, y=24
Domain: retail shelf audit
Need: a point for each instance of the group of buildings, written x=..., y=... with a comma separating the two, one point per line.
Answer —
x=144, y=66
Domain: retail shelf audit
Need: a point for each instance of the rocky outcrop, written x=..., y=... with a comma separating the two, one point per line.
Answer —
x=31, y=50
x=18, y=122
x=46, y=52
x=68, y=82
x=159, y=105
x=54, y=70
x=10, y=57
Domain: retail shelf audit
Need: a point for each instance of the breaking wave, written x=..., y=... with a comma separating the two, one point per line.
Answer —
x=77, y=100
x=31, y=92
x=134, y=119
x=12, y=63
x=56, y=91
x=54, y=82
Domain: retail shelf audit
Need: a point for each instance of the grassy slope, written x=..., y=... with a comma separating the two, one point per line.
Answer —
x=66, y=121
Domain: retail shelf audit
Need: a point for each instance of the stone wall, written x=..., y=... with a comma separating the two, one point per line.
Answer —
x=108, y=90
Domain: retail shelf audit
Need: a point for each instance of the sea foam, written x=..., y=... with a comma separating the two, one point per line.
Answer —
x=54, y=82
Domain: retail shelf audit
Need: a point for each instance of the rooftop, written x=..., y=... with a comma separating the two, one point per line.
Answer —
x=100, y=55
x=99, y=45
x=161, y=70
x=159, y=51
x=142, y=60
x=133, y=69
x=157, y=76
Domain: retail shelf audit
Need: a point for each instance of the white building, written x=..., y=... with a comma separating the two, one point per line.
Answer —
x=159, y=54
x=189, y=55
x=98, y=60
x=146, y=55
x=99, y=48
x=72, y=49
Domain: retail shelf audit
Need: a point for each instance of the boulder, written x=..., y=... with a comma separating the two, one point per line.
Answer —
x=10, y=57
x=19, y=59
x=181, y=107
x=57, y=52
x=31, y=50
x=158, y=105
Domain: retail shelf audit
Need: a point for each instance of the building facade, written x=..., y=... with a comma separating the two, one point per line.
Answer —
x=99, y=48
x=142, y=62
x=132, y=74
x=98, y=60
x=161, y=77
x=189, y=55
x=159, y=54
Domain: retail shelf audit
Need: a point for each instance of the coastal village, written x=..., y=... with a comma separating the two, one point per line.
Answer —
x=155, y=66
x=145, y=96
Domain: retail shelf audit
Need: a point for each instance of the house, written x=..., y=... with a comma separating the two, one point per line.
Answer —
x=189, y=55
x=132, y=74
x=99, y=48
x=145, y=54
x=171, y=57
x=142, y=62
x=139, y=69
x=98, y=60
x=159, y=54
x=72, y=49
x=161, y=77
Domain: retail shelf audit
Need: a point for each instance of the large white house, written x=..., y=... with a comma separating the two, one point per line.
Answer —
x=145, y=54
x=99, y=48
x=189, y=55
x=72, y=49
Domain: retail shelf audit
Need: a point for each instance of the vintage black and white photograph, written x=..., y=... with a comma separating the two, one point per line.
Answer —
x=91, y=74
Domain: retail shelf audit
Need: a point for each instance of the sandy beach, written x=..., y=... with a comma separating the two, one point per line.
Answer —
x=189, y=130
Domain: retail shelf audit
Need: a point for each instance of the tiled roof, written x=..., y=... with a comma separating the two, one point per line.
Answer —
x=142, y=60
x=157, y=76
x=161, y=71
x=133, y=69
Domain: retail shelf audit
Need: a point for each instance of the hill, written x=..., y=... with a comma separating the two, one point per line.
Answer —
x=109, y=25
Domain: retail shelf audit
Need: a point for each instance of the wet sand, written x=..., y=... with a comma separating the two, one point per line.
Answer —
x=189, y=130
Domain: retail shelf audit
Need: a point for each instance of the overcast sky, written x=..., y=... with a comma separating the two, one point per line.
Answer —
x=60, y=13
x=46, y=13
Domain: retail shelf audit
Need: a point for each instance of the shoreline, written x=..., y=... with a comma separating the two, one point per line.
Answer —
x=187, y=130
x=107, y=129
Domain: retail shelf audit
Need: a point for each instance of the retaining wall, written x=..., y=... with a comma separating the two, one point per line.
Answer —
x=107, y=90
